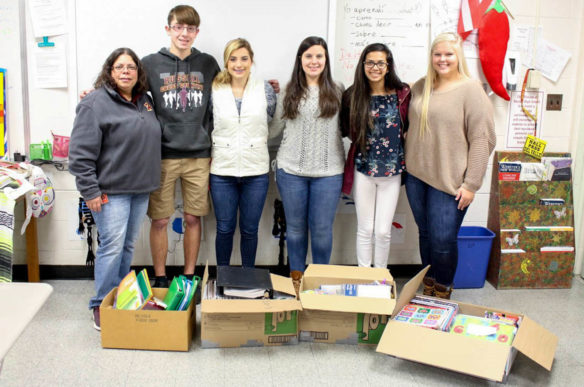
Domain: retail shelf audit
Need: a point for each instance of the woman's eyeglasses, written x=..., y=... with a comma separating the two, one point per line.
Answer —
x=121, y=67
x=370, y=65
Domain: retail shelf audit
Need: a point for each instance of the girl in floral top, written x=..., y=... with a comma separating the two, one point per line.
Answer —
x=374, y=116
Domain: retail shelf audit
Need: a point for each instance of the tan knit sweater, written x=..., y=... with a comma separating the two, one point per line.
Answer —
x=454, y=152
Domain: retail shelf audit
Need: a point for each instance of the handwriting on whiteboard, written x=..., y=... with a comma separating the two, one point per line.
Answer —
x=402, y=26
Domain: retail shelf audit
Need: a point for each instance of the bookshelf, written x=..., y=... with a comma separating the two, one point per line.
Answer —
x=534, y=239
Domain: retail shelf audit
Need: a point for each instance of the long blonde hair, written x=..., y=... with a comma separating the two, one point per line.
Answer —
x=456, y=42
x=223, y=77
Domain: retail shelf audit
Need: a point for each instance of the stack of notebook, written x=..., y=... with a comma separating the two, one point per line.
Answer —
x=243, y=282
x=484, y=328
x=180, y=293
x=429, y=313
x=134, y=291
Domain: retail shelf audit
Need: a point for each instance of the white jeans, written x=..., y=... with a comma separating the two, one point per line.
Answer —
x=375, y=203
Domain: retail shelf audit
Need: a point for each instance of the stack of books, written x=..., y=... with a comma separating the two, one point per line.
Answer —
x=235, y=282
x=429, y=312
x=495, y=330
x=181, y=292
x=134, y=293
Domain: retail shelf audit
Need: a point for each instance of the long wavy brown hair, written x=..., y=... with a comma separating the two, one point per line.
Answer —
x=105, y=76
x=329, y=97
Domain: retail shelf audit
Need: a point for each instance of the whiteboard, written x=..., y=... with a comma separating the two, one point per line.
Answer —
x=402, y=25
x=273, y=28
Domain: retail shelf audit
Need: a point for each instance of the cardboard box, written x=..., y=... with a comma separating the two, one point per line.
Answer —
x=468, y=355
x=343, y=319
x=250, y=323
x=166, y=330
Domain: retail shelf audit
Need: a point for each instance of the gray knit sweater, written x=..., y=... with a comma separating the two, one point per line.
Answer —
x=311, y=146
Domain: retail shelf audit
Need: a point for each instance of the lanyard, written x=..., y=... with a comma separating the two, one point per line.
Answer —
x=527, y=113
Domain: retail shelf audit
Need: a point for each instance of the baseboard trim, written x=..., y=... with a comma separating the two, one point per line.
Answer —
x=50, y=272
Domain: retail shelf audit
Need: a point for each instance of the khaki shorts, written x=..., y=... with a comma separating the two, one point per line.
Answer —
x=194, y=177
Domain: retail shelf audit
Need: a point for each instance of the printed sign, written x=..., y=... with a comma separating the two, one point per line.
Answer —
x=534, y=147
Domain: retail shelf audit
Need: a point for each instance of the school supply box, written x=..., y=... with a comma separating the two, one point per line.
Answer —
x=345, y=304
x=168, y=330
x=472, y=344
x=242, y=319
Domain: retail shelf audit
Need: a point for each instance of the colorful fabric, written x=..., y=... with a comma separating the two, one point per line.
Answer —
x=385, y=153
x=6, y=231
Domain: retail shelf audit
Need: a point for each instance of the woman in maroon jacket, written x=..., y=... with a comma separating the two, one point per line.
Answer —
x=374, y=116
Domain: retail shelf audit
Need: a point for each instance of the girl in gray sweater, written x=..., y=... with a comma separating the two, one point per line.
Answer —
x=311, y=156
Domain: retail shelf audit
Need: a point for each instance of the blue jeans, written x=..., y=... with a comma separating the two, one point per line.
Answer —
x=310, y=203
x=438, y=219
x=229, y=193
x=118, y=224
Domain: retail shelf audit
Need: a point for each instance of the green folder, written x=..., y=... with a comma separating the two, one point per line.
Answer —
x=144, y=284
x=175, y=294
x=192, y=288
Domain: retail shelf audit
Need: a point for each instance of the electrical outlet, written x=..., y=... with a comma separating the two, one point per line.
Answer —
x=554, y=102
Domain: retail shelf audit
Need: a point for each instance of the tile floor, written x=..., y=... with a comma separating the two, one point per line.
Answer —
x=61, y=348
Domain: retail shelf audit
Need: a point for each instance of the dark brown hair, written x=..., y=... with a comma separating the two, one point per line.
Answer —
x=329, y=97
x=360, y=118
x=184, y=14
x=105, y=76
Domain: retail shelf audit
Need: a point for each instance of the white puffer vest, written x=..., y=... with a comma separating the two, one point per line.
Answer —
x=240, y=141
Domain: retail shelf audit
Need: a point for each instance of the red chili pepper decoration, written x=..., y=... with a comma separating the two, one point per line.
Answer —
x=493, y=39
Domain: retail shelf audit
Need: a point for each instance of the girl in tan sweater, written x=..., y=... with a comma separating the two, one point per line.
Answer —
x=450, y=138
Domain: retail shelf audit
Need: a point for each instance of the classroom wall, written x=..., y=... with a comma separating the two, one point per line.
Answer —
x=577, y=142
x=59, y=245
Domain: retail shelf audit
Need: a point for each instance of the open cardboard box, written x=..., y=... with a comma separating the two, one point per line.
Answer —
x=343, y=319
x=468, y=355
x=167, y=330
x=250, y=323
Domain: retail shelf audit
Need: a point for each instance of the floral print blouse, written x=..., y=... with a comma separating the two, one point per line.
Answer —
x=384, y=146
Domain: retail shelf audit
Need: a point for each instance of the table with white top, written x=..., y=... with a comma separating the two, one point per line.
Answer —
x=19, y=303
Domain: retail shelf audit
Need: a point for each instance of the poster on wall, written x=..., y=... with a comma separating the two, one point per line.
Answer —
x=50, y=68
x=48, y=17
x=520, y=124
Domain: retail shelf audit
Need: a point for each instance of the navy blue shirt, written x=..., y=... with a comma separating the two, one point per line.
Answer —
x=384, y=152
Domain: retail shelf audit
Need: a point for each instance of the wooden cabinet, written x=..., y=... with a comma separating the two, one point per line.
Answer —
x=531, y=237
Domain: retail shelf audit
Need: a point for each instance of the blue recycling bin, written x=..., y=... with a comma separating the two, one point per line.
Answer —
x=474, y=250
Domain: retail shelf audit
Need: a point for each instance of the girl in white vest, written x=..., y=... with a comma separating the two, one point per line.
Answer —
x=242, y=107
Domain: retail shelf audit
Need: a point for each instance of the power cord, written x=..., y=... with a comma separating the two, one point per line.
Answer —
x=59, y=165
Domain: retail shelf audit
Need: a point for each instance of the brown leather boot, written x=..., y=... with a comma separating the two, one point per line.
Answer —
x=428, y=286
x=296, y=276
x=442, y=291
